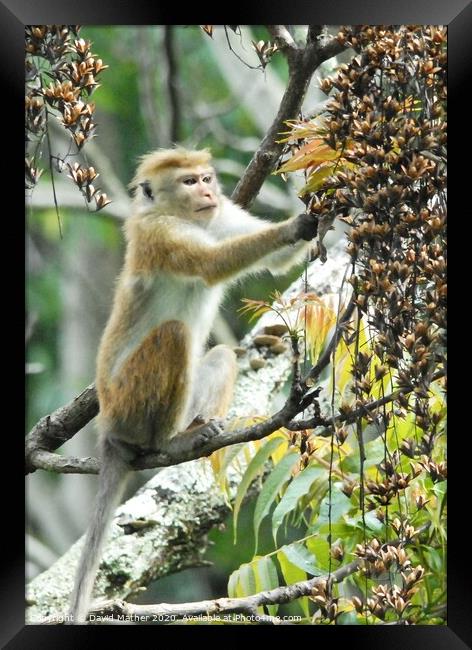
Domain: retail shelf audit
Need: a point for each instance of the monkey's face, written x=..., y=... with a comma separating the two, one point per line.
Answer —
x=197, y=192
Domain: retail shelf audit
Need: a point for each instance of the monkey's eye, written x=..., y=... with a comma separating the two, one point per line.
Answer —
x=189, y=181
x=147, y=191
x=207, y=179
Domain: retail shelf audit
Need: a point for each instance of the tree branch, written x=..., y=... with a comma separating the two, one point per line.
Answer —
x=179, y=449
x=302, y=64
x=54, y=430
x=245, y=605
x=64, y=464
x=172, y=83
x=282, y=38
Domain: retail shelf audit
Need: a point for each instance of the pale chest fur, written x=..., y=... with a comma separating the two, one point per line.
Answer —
x=163, y=297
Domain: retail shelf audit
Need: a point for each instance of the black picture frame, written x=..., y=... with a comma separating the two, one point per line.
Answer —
x=14, y=15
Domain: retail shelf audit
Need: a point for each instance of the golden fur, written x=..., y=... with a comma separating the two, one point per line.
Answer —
x=157, y=161
x=159, y=244
x=146, y=397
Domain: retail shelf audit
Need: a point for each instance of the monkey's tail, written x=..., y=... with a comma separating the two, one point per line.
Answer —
x=114, y=474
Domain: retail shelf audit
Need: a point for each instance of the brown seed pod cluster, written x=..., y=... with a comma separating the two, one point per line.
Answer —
x=61, y=75
x=386, y=119
x=396, y=598
x=396, y=135
x=323, y=597
x=376, y=159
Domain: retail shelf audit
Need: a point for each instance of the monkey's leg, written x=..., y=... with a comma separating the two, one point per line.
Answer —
x=213, y=385
x=146, y=401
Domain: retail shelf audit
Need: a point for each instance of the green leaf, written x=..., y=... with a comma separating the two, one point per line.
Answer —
x=347, y=618
x=318, y=547
x=435, y=559
x=292, y=574
x=266, y=578
x=247, y=580
x=233, y=584
x=340, y=505
x=372, y=522
x=242, y=582
x=439, y=489
x=301, y=557
x=254, y=468
x=230, y=455
x=340, y=529
x=375, y=453
x=298, y=488
x=279, y=475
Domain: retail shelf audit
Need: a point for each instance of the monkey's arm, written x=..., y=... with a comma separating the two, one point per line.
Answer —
x=160, y=244
x=237, y=221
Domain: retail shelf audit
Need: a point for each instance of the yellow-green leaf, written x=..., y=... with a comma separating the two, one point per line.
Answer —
x=266, y=576
x=292, y=574
x=298, y=488
x=279, y=475
x=254, y=468
x=301, y=557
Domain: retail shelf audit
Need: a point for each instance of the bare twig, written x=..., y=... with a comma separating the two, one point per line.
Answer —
x=248, y=65
x=51, y=169
x=247, y=605
x=213, y=608
x=354, y=416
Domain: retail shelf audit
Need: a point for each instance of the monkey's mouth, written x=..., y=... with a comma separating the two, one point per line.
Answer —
x=206, y=207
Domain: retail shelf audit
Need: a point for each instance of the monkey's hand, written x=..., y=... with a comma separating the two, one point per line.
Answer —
x=305, y=226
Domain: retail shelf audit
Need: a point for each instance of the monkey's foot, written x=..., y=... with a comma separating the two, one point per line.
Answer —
x=205, y=432
x=197, y=437
x=196, y=423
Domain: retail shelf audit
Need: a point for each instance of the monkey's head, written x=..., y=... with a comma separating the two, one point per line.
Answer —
x=178, y=182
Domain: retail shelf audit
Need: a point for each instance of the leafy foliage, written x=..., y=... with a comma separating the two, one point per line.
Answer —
x=370, y=482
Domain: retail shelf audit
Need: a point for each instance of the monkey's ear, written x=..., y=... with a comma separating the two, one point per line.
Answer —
x=147, y=191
